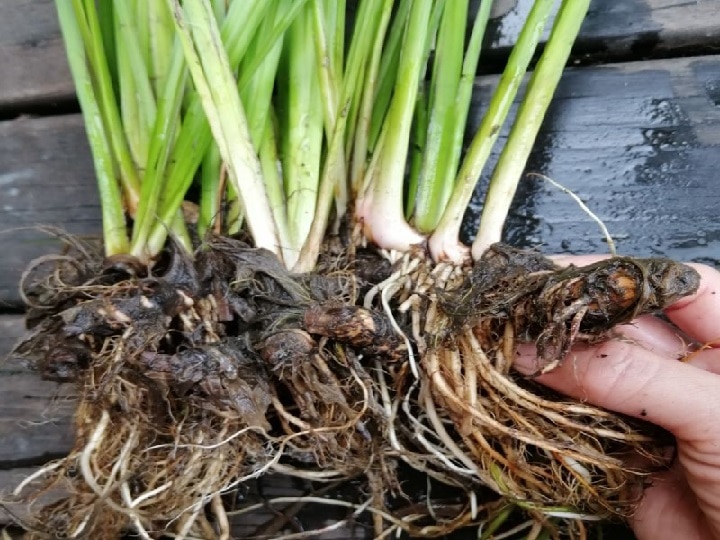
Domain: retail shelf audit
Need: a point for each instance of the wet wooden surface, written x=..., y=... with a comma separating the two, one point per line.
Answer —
x=638, y=141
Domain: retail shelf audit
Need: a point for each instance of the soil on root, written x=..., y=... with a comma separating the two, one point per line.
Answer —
x=202, y=373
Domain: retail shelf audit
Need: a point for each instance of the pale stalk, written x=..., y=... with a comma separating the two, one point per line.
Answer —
x=325, y=65
x=530, y=116
x=269, y=160
x=162, y=138
x=161, y=40
x=300, y=116
x=210, y=191
x=457, y=116
x=257, y=93
x=210, y=69
x=466, y=85
x=239, y=26
x=417, y=149
x=444, y=242
x=329, y=60
x=287, y=11
x=137, y=99
x=387, y=53
x=380, y=207
x=333, y=178
x=262, y=125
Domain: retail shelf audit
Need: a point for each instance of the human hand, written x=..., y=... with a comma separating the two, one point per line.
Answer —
x=642, y=377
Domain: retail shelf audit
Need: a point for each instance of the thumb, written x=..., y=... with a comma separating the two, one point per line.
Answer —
x=629, y=379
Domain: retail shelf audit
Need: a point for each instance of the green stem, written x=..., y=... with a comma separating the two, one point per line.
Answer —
x=301, y=120
x=137, y=100
x=240, y=24
x=530, y=116
x=366, y=50
x=89, y=27
x=388, y=57
x=433, y=191
x=210, y=191
x=371, y=20
x=161, y=142
x=444, y=243
x=210, y=69
x=161, y=43
x=113, y=217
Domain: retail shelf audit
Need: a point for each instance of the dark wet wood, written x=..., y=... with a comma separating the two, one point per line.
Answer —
x=627, y=28
x=34, y=69
x=640, y=144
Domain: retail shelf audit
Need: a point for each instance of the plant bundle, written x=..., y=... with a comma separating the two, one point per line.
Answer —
x=281, y=287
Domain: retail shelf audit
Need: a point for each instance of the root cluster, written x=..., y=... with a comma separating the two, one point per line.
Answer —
x=205, y=373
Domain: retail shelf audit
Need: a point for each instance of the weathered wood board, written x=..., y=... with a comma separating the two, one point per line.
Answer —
x=34, y=70
x=32, y=55
x=34, y=421
x=639, y=142
x=46, y=178
x=626, y=28
x=36, y=415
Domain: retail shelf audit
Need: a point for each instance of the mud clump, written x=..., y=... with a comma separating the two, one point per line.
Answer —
x=205, y=372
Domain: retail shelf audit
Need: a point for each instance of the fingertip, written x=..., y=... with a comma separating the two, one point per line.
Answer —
x=526, y=361
x=698, y=313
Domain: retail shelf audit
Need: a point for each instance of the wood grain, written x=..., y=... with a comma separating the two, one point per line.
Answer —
x=626, y=28
x=46, y=178
x=640, y=144
x=32, y=56
x=36, y=415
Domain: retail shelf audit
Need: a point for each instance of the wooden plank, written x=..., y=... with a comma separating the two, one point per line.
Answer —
x=640, y=144
x=34, y=68
x=12, y=512
x=32, y=56
x=35, y=423
x=46, y=178
x=627, y=29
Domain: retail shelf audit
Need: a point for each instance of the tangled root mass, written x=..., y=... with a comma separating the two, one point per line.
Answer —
x=204, y=373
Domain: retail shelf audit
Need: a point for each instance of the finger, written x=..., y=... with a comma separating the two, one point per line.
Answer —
x=655, y=335
x=668, y=504
x=629, y=379
x=663, y=339
x=698, y=314
x=708, y=360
